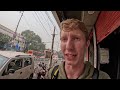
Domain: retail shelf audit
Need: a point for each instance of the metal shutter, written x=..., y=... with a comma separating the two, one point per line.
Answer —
x=107, y=22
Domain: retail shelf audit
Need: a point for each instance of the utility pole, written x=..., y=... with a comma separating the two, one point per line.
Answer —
x=15, y=33
x=17, y=25
x=52, y=48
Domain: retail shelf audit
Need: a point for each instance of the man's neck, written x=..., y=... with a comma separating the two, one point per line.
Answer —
x=73, y=72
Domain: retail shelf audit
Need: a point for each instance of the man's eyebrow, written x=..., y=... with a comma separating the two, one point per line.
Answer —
x=63, y=36
x=78, y=35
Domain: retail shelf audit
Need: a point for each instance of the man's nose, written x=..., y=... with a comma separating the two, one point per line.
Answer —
x=69, y=45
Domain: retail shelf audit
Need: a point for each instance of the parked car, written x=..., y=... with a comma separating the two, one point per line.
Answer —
x=16, y=65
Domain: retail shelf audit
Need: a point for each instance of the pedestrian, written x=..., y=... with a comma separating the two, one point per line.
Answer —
x=17, y=47
x=74, y=43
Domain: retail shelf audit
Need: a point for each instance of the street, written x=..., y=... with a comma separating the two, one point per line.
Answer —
x=39, y=66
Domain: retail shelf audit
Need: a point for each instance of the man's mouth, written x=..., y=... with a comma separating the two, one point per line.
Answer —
x=70, y=56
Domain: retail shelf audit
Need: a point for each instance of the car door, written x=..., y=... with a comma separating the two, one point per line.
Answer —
x=28, y=67
x=13, y=70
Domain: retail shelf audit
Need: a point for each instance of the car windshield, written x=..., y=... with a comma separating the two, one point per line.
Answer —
x=3, y=60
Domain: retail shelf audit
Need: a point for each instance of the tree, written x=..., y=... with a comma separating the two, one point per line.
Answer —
x=33, y=41
x=4, y=39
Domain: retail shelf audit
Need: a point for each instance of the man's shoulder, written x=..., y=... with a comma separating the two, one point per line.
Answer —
x=50, y=71
x=103, y=75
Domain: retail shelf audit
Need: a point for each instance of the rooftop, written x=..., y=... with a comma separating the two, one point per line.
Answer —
x=11, y=54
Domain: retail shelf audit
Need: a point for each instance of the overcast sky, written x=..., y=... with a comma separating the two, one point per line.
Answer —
x=41, y=22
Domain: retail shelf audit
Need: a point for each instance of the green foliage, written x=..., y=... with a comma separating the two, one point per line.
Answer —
x=34, y=41
x=4, y=38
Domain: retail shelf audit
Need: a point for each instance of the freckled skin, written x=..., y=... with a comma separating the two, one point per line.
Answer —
x=73, y=46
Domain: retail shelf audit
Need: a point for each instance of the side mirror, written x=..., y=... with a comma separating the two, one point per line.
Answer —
x=11, y=70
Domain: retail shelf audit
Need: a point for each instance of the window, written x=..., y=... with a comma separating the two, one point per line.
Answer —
x=15, y=64
x=3, y=60
x=27, y=61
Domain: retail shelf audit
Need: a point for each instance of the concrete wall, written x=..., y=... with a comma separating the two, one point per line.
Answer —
x=6, y=31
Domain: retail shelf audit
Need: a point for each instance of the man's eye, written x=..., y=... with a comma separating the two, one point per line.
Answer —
x=63, y=39
x=77, y=38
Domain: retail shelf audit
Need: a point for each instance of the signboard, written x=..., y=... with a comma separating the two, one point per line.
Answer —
x=104, y=55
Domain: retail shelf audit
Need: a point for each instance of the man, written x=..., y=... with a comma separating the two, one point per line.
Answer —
x=37, y=72
x=74, y=42
x=17, y=47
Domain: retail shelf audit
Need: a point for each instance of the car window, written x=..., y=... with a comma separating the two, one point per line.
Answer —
x=15, y=64
x=27, y=61
x=3, y=60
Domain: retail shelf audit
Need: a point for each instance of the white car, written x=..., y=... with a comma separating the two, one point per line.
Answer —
x=16, y=65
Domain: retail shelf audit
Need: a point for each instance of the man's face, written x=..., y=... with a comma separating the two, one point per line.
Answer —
x=73, y=46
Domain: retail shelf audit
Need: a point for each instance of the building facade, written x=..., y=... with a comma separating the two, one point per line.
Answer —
x=19, y=39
